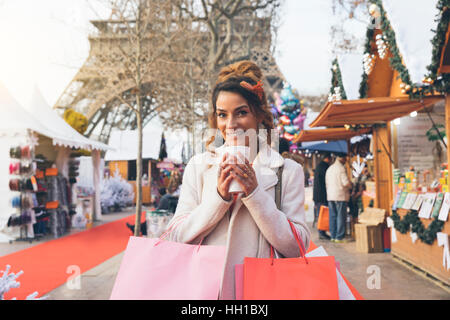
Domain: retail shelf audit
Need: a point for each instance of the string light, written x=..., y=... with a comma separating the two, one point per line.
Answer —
x=336, y=96
x=381, y=45
x=368, y=63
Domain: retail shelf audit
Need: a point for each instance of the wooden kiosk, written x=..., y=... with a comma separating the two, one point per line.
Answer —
x=387, y=93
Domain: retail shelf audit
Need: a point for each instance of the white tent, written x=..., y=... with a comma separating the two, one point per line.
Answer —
x=125, y=143
x=15, y=124
x=63, y=133
x=14, y=119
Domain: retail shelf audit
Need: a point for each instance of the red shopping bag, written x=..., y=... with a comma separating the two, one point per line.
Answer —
x=346, y=290
x=312, y=278
x=155, y=269
x=324, y=219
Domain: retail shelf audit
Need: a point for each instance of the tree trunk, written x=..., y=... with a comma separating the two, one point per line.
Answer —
x=137, y=224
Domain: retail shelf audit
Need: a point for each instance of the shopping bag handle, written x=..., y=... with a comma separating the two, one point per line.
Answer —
x=299, y=242
x=170, y=229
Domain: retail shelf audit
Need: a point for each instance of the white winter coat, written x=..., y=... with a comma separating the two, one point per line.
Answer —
x=255, y=221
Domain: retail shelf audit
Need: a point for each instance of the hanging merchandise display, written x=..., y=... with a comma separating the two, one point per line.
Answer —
x=23, y=183
x=43, y=200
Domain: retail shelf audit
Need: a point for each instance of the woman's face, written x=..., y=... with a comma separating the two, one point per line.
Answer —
x=234, y=117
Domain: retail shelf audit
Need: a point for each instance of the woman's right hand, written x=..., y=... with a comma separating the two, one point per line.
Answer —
x=224, y=178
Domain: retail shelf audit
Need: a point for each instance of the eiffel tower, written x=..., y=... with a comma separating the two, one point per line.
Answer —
x=93, y=93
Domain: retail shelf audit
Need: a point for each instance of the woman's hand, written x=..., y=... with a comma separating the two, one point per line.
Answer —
x=241, y=171
x=224, y=179
x=245, y=176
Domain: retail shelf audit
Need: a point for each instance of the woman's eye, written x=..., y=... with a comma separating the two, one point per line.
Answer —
x=242, y=113
x=221, y=115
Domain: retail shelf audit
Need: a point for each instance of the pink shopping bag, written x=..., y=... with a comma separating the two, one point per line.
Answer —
x=156, y=269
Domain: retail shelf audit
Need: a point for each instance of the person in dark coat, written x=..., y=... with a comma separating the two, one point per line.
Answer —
x=320, y=191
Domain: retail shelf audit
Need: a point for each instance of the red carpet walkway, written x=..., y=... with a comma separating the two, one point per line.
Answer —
x=45, y=265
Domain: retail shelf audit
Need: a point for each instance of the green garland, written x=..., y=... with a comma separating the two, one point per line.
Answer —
x=363, y=87
x=441, y=83
x=411, y=221
x=416, y=91
x=336, y=79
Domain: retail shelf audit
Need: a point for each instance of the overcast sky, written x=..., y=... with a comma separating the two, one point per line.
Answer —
x=45, y=42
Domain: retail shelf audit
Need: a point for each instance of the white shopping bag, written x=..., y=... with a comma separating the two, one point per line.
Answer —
x=344, y=291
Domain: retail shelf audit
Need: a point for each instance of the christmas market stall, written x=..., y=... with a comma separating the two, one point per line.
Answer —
x=399, y=83
x=160, y=158
x=38, y=192
x=419, y=221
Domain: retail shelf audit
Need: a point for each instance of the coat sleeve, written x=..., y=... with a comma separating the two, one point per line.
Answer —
x=344, y=178
x=272, y=222
x=195, y=217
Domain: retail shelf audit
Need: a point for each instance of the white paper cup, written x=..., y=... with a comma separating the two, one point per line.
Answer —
x=235, y=187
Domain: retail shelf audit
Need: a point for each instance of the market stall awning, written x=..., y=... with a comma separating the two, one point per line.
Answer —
x=369, y=111
x=329, y=134
x=340, y=146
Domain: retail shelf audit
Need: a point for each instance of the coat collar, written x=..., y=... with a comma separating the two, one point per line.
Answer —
x=266, y=165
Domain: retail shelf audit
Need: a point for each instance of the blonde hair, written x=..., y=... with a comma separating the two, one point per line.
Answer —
x=229, y=79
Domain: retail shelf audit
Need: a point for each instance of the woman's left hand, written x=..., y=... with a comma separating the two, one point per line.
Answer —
x=244, y=175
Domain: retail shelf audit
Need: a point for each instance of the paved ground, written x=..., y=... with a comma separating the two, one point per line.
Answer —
x=397, y=282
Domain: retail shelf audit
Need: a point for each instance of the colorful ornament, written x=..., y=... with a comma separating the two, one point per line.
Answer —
x=299, y=120
x=278, y=100
x=291, y=129
x=275, y=111
x=284, y=119
x=288, y=136
x=289, y=100
x=293, y=148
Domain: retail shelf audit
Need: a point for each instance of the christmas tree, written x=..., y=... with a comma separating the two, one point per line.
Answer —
x=116, y=192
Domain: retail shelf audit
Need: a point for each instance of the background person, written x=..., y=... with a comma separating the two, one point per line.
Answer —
x=338, y=194
x=320, y=191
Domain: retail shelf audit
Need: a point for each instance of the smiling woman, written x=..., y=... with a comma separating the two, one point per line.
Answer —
x=239, y=102
x=248, y=223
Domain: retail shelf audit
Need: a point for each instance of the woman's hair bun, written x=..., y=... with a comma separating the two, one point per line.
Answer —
x=240, y=69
